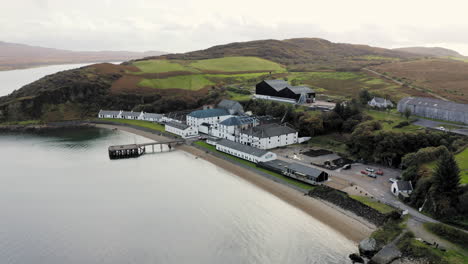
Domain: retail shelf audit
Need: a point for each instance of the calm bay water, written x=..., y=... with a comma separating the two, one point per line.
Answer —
x=63, y=201
x=15, y=79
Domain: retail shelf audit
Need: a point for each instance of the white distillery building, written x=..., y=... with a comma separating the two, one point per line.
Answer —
x=231, y=127
x=269, y=136
x=109, y=114
x=245, y=152
x=183, y=130
x=152, y=117
x=132, y=115
x=208, y=116
x=380, y=102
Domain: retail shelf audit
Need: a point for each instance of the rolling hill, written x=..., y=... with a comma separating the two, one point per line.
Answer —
x=301, y=53
x=15, y=56
x=431, y=51
x=185, y=81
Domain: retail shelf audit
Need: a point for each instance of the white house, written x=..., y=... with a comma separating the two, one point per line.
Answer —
x=151, y=117
x=231, y=127
x=380, y=102
x=209, y=116
x=245, y=152
x=181, y=129
x=404, y=188
x=131, y=115
x=109, y=114
x=269, y=136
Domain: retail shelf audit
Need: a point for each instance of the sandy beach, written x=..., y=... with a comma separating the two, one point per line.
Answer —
x=347, y=223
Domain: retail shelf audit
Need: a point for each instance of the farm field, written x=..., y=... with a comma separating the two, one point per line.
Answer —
x=186, y=82
x=237, y=64
x=462, y=160
x=343, y=85
x=159, y=66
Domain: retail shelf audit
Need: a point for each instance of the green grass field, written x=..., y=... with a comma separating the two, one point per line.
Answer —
x=382, y=208
x=462, y=160
x=391, y=119
x=332, y=142
x=187, y=82
x=140, y=123
x=251, y=164
x=159, y=66
x=239, y=97
x=237, y=64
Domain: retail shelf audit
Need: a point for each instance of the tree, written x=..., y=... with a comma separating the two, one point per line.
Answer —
x=364, y=96
x=446, y=185
x=446, y=174
x=407, y=113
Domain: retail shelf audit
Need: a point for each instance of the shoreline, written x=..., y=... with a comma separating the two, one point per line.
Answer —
x=344, y=222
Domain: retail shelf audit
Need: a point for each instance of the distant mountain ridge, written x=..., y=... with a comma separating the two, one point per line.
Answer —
x=431, y=51
x=16, y=56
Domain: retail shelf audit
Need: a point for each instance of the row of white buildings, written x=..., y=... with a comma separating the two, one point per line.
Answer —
x=231, y=131
x=226, y=121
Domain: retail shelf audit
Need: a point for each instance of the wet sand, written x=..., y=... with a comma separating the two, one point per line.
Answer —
x=345, y=222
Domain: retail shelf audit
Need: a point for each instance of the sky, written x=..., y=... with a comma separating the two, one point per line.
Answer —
x=183, y=25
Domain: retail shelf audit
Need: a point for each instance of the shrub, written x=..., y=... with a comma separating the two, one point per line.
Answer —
x=449, y=233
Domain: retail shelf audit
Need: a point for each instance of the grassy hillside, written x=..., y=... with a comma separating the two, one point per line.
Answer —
x=300, y=54
x=185, y=82
x=462, y=160
x=237, y=64
x=443, y=77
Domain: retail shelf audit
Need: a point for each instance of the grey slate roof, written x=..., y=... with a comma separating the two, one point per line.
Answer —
x=108, y=112
x=300, y=89
x=278, y=85
x=134, y=114
x=435, y=103
x=404, y=186
x=268, y=130
x=379, y=100
x=152, y=115
x=228, y=104
x=177, y=125
x=237, y=121
x=208, y=113
x=305, y=169
x=242, y=148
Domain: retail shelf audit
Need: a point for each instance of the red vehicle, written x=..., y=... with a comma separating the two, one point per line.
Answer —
x=364, y=172
x=379, y=172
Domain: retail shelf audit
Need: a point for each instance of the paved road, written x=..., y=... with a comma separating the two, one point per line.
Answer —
x=462, y=130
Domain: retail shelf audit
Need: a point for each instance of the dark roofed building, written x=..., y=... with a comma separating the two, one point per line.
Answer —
x=269, y=136
x=296, y=171
x=402, y=188
x=435, y=108
x=281, y=88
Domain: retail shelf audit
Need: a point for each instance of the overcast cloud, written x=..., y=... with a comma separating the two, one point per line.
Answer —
x=182, y=25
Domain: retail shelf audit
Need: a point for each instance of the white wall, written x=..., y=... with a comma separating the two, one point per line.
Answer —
x=267, y=157
x=269, y=143
x=189, y=132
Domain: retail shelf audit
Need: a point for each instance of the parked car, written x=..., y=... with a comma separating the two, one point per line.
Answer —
x=372, y=175
x=364, y=172
x=347, y=167
x=441, y=128
x=379, y=172
x=370, y=170
x=392, y=180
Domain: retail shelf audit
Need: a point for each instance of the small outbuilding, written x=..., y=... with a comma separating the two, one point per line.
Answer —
x=402, y=188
